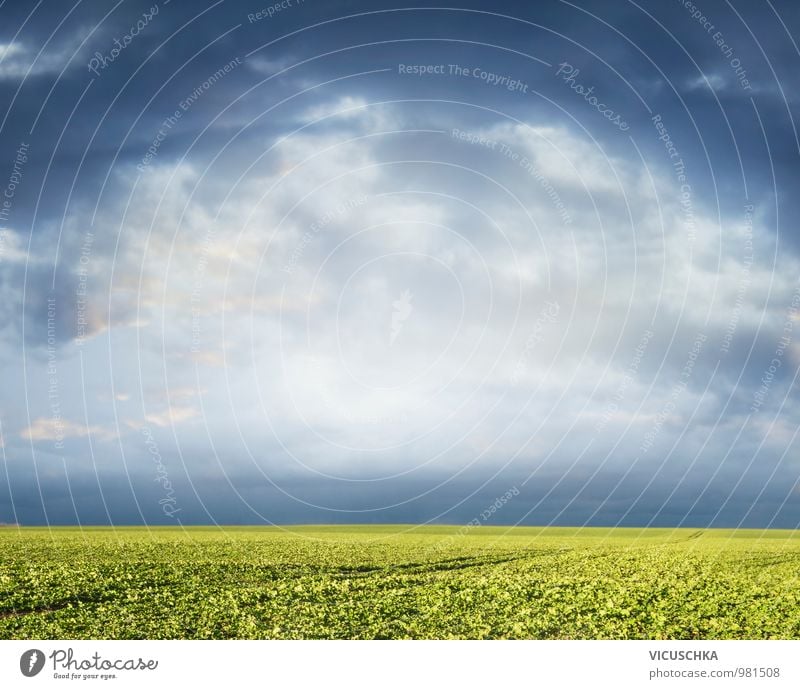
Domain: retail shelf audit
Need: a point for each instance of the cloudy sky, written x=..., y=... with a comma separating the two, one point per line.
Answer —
x=347, y=261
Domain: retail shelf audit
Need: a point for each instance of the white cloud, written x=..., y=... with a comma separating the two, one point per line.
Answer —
x=57, y=429
x=714, y=81
x=12, y=249
x=18, y=59
x=172, y=416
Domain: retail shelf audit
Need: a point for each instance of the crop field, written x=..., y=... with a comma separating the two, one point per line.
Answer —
x=398, y=582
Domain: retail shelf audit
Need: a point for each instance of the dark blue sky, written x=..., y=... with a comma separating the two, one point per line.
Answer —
x=356, y=262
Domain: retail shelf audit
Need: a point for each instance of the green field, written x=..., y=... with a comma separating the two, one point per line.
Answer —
x=398, y=582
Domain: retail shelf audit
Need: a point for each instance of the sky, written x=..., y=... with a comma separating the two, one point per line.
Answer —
x=357, y=262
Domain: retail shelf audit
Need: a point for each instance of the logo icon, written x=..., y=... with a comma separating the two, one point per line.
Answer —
x=402, y=310
x=31, y=662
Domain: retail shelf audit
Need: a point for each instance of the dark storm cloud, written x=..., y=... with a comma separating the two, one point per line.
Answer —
x=130, y=220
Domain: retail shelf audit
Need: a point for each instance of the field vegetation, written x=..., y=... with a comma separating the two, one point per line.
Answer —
x=349, y=582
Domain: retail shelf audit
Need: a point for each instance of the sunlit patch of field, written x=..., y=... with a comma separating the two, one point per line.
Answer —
x=399, y=581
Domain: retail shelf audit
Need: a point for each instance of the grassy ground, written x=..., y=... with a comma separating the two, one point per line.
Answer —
x=398, y=582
